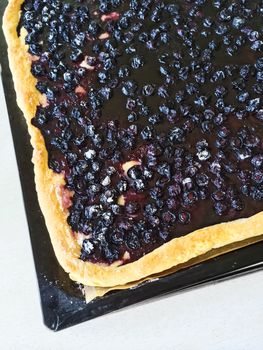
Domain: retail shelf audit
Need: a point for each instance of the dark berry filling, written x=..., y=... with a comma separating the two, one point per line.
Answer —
x=154, y=115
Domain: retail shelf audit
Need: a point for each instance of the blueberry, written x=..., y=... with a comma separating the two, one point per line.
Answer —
x=259, y=114
x=220, y=208
x=148, y=90
x=147, y=236
x=105, y=93
x=253, y=104
x=147, y=133
x=218, y=75
x=191, y=88
x=68, y=76
x=144, y=111
x=129, y=88
x=168, y=217
x=257, y=45
x=132, y=117
x=133, y=241
x=164, y=109
x=257, y=161
x=135, y=172
x=224, y=15
x=243, y=153
x=183, y=73
x=223, y=132
x=35, y=49
x=162, y=92
x=172, y=117
x=256, y=193
x=122, y=186
x=163, y=58
x=41, y=118
x=220, y=91
x=172, y=203
x=174, y=190
x=51, y=94
x=206, y=127
x=253, y=35
x=164, y=169
x=203, y=155
x=237, y=204
x=37, y=70
x=110, y=253
x=92, y=211
x=238, y=22
x=29, y=16
x=57, y=165
x=207, y=22
x=147, y=173
x=143, y=37
x=184, y=109
x=241, y=114
x=244, y=71
x=172, y=9
x=259, y=63
x=73, y=219
x=200, y=77
x=229, y=167
x=93, y=28
x=221, y=29
x=155, y=193
x=130, y=104
x=243, y=97
x=257, y=176
x=137, y=62
x=245, y=189
x=76, y=55
x=139, y=185
x=218, y=195
x=104, y=7
x=156, y=15
x=150, y=209
x=239, y=84
x=202, y=180
x=184, y=217
x=123, y=72
x=244, y=175
x=127, y=37
x=165, y=38
x=189, y=198
x=259, y=76
x=179, y=96
x=176, y=135
x=155, y=119
x=155, y=32
x=164, y=234
x=164, y=71
x=153, y=221
x=132, y=207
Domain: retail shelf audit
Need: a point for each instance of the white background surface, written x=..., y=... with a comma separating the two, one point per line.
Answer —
x=226, y=315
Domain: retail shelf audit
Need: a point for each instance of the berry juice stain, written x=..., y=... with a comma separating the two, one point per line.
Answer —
x=171, y=88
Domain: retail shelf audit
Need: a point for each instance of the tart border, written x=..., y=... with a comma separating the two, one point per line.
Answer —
x=67, y=250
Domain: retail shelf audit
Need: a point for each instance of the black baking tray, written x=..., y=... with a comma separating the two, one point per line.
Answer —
x=62, y=301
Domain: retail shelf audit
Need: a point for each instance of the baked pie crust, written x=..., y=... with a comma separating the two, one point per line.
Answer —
x=48, y=185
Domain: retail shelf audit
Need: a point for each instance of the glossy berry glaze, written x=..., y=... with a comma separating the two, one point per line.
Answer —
x=175, y=86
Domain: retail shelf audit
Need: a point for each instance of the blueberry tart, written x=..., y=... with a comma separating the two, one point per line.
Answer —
x=146, y=121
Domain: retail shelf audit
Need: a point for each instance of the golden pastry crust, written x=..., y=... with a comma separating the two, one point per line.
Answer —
x=94, y=292
x=66, y=247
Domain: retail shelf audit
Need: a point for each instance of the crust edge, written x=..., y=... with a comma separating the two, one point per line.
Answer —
x=175, y=252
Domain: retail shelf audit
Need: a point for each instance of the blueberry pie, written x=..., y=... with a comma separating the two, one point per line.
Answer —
x=146, y=120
